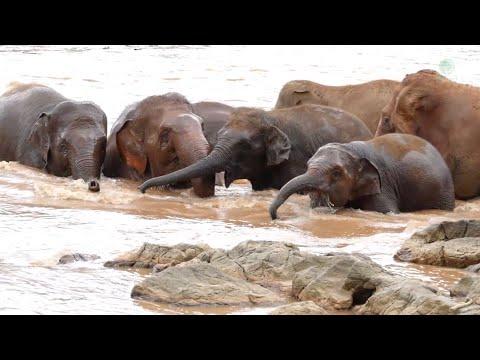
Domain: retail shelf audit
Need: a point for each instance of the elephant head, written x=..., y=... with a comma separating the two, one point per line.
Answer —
x=163, y=135
x=71, y=140
x=413, y=103
x=248, y=146
x=335, y=176
x=299, y=92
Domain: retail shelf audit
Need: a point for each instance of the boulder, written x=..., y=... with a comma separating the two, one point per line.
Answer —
x=70, y=258
x=408, y=297
x=468, y=288
x=341, y=282
x=449, y=243
x=267, y=262
x=151, y=255
x=201, y=284
x=299, y=308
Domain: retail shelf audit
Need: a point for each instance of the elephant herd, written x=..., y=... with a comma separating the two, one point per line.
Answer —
x=382, y=146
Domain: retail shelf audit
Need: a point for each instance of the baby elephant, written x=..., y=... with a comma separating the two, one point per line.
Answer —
x=390, y=173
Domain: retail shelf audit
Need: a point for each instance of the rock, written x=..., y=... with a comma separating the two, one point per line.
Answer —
x=150, y=255
x=70, y=258
x=300, y=308
x=201, y=284
x=266, y=262
x=474, y=268
x=341, y=282
x=450, y=243
x=469, y=288
x=408, y=297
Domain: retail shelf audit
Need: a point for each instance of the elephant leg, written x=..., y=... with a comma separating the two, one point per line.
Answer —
x=220, y=179
x=466, y=179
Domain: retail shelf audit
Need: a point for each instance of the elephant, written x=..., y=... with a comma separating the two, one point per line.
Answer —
x=445, y=113
x=41, y=128
x=391, y=173
x=269, y=148
x=161, y=134
x=363, y=100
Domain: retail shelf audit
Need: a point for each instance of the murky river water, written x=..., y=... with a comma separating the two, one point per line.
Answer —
x=43, y=217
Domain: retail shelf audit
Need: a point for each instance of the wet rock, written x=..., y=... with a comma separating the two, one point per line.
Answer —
x=158, y=256
x=474, y=268
x=341, y=282
x=264, y=262
x=408, y=297
x=468, y=288
x=300, y=308
x=450, y=243
x=70, y=258
x=201, y=284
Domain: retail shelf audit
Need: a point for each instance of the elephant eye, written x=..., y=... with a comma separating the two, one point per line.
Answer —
x=336, y=174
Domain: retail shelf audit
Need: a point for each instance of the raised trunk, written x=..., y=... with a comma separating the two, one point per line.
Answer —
x=302, y=182
x=209, y=165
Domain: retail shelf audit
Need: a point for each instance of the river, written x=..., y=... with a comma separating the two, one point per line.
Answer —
x=43, y=217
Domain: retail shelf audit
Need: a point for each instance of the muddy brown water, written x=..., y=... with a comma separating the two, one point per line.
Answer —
x=43, y=217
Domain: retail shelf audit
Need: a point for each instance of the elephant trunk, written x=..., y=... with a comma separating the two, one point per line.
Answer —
x=302, y=182
x=215, y=162
x=190, y=151
x=85, y=167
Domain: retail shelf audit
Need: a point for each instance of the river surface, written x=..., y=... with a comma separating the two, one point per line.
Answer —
x=43, y=217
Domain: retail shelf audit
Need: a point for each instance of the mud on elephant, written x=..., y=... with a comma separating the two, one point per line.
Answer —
x=391, y=173
x=363, y=100
x=41, y=128
x=270, y=148
x=446, y=114
x=162, y=134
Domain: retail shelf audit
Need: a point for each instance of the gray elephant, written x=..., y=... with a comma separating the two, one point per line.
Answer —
x=390, y=173
x=270, y=147
x=41, y=128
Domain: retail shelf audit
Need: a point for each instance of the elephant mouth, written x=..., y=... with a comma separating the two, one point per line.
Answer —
x=320, y=199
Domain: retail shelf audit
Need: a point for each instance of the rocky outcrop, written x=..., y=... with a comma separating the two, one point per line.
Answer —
x=450, y=243
x=159, y=256
x=70, y=258
x=468, y=288
x=201, y=284
x=408, y=297
x=251, y=272
x=342, y=282
x=299, y=308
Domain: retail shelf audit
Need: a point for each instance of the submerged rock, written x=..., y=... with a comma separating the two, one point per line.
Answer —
x=150, y=255
x=70, y=258
x=201, y=284
x=449, y=243
x=300, y=308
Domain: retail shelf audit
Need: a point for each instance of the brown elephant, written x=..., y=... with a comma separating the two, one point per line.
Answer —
x=270, y=147
x=390, y=173
x=445, y=113
x=162, y=134
x=363, y=100
x=41, y=128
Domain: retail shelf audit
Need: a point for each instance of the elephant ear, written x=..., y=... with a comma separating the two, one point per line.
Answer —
x=130, y=146
x=277, y=145
x=369, y=182
x=39, y=140
x=424, y=102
